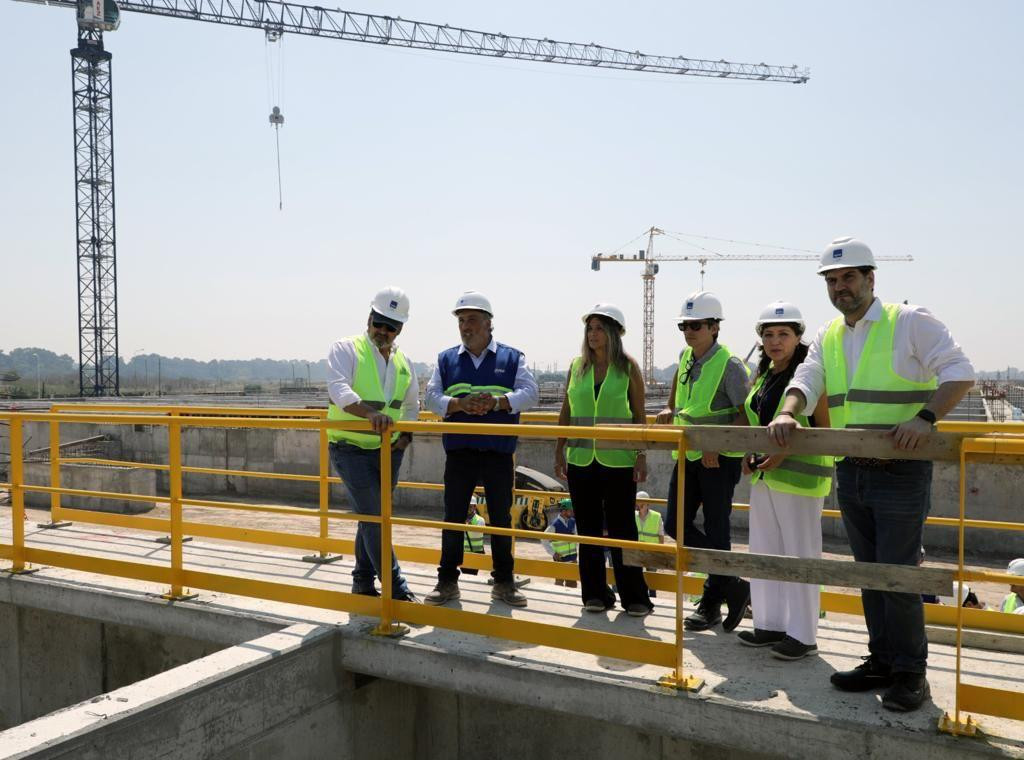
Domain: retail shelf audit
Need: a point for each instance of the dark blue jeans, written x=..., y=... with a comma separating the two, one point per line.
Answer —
x=884, y=509
x=463, y=470
x=709, y=489
x=359, y=470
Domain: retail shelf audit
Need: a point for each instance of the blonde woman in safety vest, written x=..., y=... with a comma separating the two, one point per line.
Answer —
x=895, y=368
x=604, y=386
x=369, y=378
x=787, y=494
x=709, y=388
x=1013, y=603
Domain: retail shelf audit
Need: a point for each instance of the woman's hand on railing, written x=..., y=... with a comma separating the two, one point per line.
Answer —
x=664, y=416
x=780, y=430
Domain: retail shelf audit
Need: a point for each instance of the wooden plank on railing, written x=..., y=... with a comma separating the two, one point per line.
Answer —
x=833, y=572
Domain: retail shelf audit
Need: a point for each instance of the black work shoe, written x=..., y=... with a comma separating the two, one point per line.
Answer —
x=365, y=591
x=759, y=638
x=597, y=605
x=737, y=600
x=408, y=596
x=444, y=591
x=639, y=609
x=705, y=617
x=506, y=591
x=908, y=692
x=869, y=675
x=791, y=649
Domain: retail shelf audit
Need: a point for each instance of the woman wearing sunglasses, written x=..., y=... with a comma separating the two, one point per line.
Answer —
x=786, y=495
x=604, y=387
x=709, y=387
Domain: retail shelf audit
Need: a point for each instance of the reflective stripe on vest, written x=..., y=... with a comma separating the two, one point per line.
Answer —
x=877, y=398
x=798, y=474
x=1011, y=602
x=647, y=527
x=693, y=400
x=610, y=407
x=474, y=542
x=367, y=385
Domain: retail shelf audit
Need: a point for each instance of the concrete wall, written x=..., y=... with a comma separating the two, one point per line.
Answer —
x=86, y=477
x=992, y=489
x=49, y=660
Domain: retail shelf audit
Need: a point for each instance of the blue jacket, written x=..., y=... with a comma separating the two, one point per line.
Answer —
x=496, y=370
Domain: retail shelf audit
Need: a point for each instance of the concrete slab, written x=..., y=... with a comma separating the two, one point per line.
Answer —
x=751, y=702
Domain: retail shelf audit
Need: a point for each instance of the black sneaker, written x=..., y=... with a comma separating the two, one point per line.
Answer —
x=908, y=692
x=705, y=617
x=737, y=599
x=791, y=649
x=867, y=676
x=639, y=609
x=365, y=590
x=408, y=596
x=597, y=605
x=759, y=638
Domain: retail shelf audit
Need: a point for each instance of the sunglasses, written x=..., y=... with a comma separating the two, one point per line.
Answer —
x=385, y=326
x=693, y=326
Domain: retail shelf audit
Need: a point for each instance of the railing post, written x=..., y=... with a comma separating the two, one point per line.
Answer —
x=954, y=725
x=678, y=679
x=323, y=556
x=177, y=592
x=386, y=627
x=55, y=509
x=17, y=476
x=173, y=413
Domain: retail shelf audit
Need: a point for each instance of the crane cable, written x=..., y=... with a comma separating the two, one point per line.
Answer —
x=273, y=48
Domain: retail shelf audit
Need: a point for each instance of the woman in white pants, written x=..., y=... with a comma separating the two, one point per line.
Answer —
x=786, y=495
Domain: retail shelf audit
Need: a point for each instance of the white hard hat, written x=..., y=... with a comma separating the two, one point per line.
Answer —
x=474, y=300
x=393, y=304
x=609, y=310
x=964, y=590
x=779, y=312
x=700, y=305
x=1016, y=567
x=846, y=252
x=642, y=495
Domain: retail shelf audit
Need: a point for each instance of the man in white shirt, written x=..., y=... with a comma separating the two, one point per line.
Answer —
x=892, y=367
x=368, y=377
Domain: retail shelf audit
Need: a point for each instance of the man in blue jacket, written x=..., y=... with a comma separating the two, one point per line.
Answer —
x=479, y=380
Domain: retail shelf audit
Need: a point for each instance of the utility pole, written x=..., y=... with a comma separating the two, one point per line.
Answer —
x=39, y=377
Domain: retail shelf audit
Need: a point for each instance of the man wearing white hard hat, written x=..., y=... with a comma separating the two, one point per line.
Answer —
x=478, y=381
x=368, y=377
x=650, y=528
x=1013, y=602
x=709, y=388
x=787, y=494
x=886, y=367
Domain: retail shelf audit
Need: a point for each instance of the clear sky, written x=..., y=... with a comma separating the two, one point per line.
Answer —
x=445, y=173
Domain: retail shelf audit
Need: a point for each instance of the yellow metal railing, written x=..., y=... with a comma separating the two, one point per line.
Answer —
x=994, y=446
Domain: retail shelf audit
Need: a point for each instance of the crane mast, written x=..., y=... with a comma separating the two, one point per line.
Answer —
x=93, y=122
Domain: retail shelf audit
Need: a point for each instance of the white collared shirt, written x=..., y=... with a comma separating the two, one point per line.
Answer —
x=524, y=393
x=922, y=349
x=341, y=373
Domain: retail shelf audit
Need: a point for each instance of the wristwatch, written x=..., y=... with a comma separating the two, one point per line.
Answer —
x=927, y=415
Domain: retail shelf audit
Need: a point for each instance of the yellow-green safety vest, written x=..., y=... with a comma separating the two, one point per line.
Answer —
x=877, y=398
x=610, y=407
x=367, y=384
x=647, y=527
x=563, y=548
x=798, y=474
x=1011, y=602
x=474, y=542
x=693, y=400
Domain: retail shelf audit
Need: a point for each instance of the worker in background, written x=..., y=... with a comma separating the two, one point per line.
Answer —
x=368, y=377
x=478, y=381
x=1013, y=602
x=560, y=549
x=886, y=367
x=604, y=386
x=787, y=494
x=650, y=528
x=473, y=542
x=709, y=388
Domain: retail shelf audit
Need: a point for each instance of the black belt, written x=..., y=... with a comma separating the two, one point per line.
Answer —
x=873, y=463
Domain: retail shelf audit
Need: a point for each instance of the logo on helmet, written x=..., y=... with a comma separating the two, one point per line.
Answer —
x=689, y=305
x=837, y=253
x=393, y=304
x=779, y=312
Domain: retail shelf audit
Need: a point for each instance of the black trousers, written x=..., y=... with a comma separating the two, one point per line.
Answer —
x=710, y=488
x=463, y=470
x=606, y=496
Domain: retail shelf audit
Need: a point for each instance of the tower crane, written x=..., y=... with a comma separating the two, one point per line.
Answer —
x=92, y=101
x=650, y=260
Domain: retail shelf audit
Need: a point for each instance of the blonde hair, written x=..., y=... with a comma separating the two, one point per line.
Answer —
x=617, y=356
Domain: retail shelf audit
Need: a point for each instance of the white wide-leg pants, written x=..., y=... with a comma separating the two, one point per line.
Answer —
x=788, y=525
